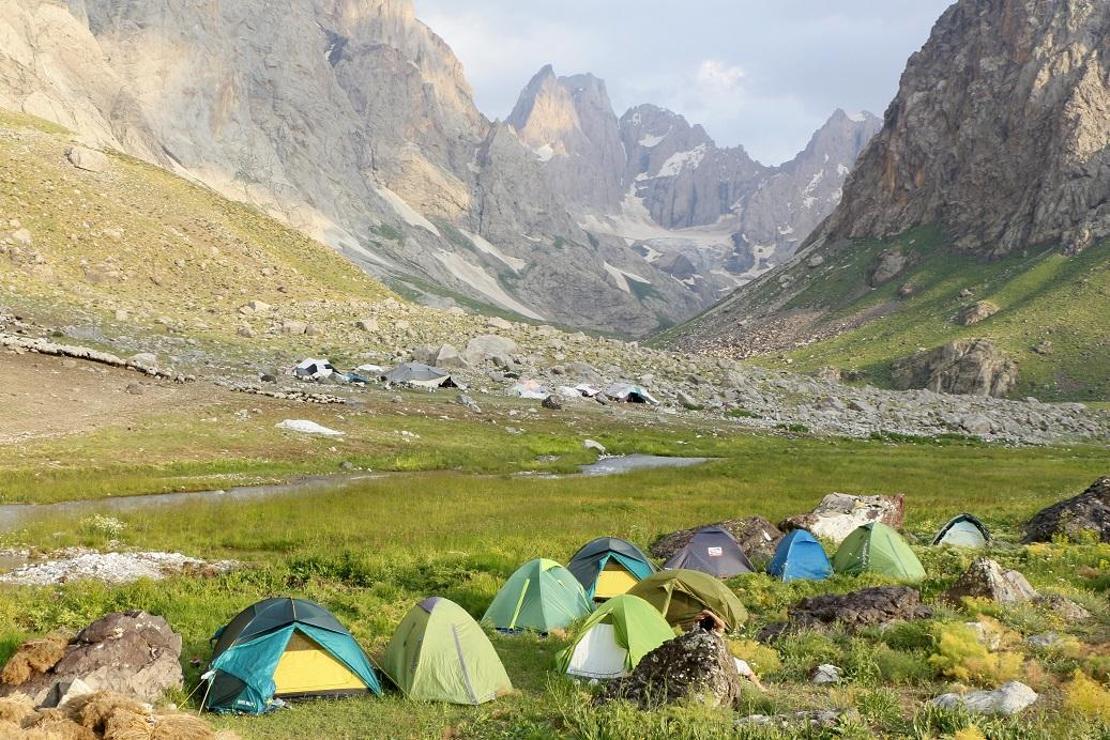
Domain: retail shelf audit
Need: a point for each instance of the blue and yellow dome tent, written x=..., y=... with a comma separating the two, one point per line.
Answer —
x=284, y=648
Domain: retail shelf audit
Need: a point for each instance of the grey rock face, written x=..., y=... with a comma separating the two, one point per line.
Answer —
x=570, y=125
x=1010, y=698
x=985, y=578
x=1085, y=514
x=973, y=367
x=999, y=131
x=695, y=666
x=839, y=514
x=133, y=653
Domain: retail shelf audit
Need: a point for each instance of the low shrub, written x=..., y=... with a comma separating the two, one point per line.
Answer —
x=960, y=655
x=1087, y=697
x=764, y=660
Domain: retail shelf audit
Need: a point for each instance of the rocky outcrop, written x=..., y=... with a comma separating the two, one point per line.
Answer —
x=1080, y=516
x=968, y=367
x=839, y=514
x=976, y=312
x=133, y=653
x=986, y=579
x=1000, y=132
x=695, y=666
x=568, y=122
x=868, y=607
x=757, y=537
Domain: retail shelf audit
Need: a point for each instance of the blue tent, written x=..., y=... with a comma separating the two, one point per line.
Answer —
x=284, y=648
x=800, y=556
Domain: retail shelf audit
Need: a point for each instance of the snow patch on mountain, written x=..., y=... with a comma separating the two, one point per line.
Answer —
x=679, y=161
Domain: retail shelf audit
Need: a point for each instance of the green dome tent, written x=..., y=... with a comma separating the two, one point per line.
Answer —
x=963, y=530
x=439, y=653
x=876, y=548
x=284, y=648
x=680, y=594
x=614, y=638
x=541, y=595
x=609, y=566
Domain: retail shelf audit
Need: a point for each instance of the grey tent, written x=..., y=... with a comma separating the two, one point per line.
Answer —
x=420, y=376
x=963, y=530
x=630, y=393
x=712, y=550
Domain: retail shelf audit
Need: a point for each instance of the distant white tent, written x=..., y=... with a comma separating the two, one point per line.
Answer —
x=314, y=369
x=630, y=393
x=530, y=389
x=963, y=531
x=419, y=376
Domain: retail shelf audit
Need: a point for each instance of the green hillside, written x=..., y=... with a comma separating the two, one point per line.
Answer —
x=1057, y=303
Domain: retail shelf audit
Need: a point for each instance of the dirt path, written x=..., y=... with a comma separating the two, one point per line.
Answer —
x=44, y=396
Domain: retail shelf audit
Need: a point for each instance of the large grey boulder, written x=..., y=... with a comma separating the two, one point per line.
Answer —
x=986, y=579
x=1009, y=698
x=839, y=514
x=84, y=158
x=968, y=367
x=976, y=312
x=486, y=347
x=696, y=666
x=890, y=264
x=1079, y=516
x=132, y=653
x=444, y=355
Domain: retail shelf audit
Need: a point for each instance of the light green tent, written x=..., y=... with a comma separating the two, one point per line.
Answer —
x=611, y=642
x=681, y=594
x=876, y=548
x=541, y=595
x=439, y=653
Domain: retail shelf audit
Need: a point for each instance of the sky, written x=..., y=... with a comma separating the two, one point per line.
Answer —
x=762, y=73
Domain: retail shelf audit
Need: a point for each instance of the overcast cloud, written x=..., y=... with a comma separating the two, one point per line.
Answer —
x=762, y=73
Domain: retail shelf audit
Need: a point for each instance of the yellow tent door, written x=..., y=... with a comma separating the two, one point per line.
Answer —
x=306, y=668
x=613, y=580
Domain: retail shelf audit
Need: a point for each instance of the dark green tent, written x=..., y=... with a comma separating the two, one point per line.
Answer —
x=680, y=594
x=284, y=648
x=876, y=548
x=439, y=653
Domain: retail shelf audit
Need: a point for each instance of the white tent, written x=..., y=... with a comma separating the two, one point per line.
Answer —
x=529, y=389
x=597, y=654
x=630, y=393
x=313, y=369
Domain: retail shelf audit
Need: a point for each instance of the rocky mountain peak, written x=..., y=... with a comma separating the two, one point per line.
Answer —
x=1000, y=132
x=569, y=123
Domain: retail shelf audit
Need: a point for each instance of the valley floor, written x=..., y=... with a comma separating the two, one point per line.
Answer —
x=463, y=518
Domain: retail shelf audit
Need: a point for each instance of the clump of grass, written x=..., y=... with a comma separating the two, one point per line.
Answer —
x=961, y=656
x=763, y=659
x=1087, y=697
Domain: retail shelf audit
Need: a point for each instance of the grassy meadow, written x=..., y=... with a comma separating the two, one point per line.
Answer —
x=373, y=548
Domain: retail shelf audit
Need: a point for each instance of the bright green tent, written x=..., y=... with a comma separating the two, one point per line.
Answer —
x=614, y=638
x=439, y=653
x=876, y=548
x=541, y=595
x=680, y=594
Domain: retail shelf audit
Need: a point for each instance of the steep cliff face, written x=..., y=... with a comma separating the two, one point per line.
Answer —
x=352, y=121
x=988, y=188
x=1000, y=132
x=570, y=125
x=678, y=171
